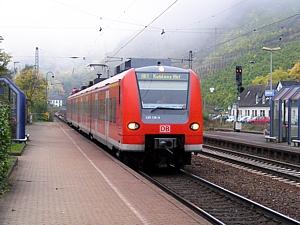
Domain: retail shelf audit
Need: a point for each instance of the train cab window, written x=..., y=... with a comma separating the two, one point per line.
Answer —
x=163, y=90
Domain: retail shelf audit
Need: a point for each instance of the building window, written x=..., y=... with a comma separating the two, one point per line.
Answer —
x=256, y=99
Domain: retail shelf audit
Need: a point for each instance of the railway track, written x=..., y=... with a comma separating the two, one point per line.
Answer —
x=255, y=146
x=277, y=168
x=215, y=203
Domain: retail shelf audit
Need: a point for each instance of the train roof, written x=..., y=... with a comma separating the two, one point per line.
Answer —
x=149, y=69
x=101, y=84
x=166, y=69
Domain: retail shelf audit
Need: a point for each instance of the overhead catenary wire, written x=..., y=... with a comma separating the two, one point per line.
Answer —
x=100, y=28
x=142, y=30
x=217, y=14
x=251, y=31
x=95, y=15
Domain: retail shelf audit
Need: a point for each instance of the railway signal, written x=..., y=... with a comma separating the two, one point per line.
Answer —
x=239, y=78
x=240, y=88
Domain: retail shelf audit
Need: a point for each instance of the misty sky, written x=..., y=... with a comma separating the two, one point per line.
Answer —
x=64, y=28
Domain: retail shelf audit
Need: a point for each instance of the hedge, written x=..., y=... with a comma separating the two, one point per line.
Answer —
x=4, y=142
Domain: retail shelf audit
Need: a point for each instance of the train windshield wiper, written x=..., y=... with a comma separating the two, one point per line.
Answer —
x=163, y=107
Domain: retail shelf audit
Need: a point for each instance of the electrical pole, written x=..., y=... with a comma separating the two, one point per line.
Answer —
x=36, y=65
x=191, y=59
x=15, y=69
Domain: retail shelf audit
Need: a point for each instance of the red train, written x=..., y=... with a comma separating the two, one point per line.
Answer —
x=150, y=115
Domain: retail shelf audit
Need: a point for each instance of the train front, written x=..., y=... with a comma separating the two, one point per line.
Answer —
x=167, y=125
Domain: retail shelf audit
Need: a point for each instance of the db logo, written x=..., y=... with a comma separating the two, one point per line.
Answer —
x=164, y=128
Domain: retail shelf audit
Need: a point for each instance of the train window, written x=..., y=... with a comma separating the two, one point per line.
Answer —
x=102, y=109
x=163, y=90
x=112, y=110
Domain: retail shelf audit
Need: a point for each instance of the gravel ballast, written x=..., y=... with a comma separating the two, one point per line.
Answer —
x=271, y=192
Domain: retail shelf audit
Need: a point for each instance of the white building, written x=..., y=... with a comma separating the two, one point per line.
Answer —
x=253, y=102
x=56, y=102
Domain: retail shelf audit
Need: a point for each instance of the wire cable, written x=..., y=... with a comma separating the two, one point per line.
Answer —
x=251, y=31
x=217, y=14
x=141, y=31
x=95, y=15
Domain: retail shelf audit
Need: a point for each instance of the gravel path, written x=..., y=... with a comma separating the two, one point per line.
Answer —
x=268, y=191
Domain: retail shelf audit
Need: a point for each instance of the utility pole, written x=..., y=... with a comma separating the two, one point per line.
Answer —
x=15, y=69
x=36, y=65
x=191, y=59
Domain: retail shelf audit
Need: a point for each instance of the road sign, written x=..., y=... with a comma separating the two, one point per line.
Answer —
x=269, y=93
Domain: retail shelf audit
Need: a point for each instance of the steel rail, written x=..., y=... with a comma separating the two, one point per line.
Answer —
x=270, y=212
x=187, y=203
x=277, y=168
x=285, y=164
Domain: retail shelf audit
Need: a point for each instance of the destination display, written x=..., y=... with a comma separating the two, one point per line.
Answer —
x=162, y=76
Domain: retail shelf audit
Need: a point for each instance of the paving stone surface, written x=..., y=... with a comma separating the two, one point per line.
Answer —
x=62, y=178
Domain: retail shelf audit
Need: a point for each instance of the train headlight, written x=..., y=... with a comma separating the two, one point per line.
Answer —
x=133, y=126
x=195, y=126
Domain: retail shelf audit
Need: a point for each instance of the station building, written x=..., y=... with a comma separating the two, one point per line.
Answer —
x=285, y=116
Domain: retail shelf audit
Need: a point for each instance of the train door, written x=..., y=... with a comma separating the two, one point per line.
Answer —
x=106, y=129
x=118, y=110
x=91, y=110
x=80, y=111
x=96, y=112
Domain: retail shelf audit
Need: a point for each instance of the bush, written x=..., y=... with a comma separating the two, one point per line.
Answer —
x=4, y=142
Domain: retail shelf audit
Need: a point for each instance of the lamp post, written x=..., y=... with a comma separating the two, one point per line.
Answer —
x=52, y=76
x=271, y=50
x=73, y=70
x=15, y=69
x=212, y=90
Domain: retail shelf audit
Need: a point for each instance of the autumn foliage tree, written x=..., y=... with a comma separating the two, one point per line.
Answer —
x=277, y=75
x=34, y=87
x=280, y=75
x=4, y=60
x=295, y=71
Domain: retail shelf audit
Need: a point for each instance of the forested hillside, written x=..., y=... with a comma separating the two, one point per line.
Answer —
x=273, y=24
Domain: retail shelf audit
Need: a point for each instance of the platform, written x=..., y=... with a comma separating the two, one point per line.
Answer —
x=63, y=178
x=254, y=144
x=252, y=139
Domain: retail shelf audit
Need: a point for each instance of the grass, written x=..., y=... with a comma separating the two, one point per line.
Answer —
x=17, y=148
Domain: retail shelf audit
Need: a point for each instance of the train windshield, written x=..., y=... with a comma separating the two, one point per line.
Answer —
x=163, y=90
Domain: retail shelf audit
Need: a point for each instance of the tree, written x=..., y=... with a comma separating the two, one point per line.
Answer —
x=295, y=71
x=4, y=60
x=34, y=87
x=277, y=76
